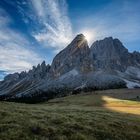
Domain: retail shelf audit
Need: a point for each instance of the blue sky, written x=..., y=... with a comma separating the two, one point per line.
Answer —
x=35, y=30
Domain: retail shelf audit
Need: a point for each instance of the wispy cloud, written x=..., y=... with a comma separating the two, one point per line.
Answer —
x=15, y=49
x=54, y=27
x=49, y=26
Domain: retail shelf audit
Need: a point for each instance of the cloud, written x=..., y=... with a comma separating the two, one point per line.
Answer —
x=15, y=59
x=54, y=27
x=16, y=53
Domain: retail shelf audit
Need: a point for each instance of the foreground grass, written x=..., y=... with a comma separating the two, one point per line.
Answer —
x=99, y=115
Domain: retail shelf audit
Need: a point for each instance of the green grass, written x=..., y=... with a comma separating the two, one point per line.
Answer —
x=78, y=117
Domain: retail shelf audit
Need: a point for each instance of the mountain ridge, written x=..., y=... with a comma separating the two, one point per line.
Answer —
x=106, y=64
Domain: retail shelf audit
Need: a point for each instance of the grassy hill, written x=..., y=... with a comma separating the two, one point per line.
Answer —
x=100, y=115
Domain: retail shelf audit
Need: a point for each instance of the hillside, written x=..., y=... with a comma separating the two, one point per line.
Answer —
x=98, y=115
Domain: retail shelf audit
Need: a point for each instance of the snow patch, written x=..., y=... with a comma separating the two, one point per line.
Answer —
x=133, y=71
x=73, y=72
x=131, y=84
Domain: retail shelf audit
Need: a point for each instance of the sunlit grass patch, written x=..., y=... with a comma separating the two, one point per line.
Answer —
x=126, y=106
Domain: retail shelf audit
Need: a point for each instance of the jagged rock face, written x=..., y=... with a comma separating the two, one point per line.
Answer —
x=39, y=72
x=74, y=56
x=136, y=57
x=107, y=64
x=110, y=54
x=19, y=82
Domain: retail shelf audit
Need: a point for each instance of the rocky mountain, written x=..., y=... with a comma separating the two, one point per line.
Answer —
x=106, y=64
x=111, y=54
x=75, y=55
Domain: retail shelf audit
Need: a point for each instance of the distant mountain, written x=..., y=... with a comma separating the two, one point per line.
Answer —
x=106, y=64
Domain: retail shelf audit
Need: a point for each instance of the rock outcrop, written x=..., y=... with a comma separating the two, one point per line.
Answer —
x=14, y=84
x=110, y=54
x=74, y=56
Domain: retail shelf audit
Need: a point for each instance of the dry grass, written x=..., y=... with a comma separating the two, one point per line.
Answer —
x=119, y=105
x=101, y=115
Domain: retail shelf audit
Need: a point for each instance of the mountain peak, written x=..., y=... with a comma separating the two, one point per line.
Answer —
x=109, y=54
x=109, y=43
x=79, y=42
x=80, y=36
x=74, y=56
x=110, y=38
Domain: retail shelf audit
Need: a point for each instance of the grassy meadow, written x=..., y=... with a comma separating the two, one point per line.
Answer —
x=98, y=115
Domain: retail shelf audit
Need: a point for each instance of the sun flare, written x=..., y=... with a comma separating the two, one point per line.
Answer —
x=89, y=35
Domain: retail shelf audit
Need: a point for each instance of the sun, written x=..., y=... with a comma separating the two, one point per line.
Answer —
x=89, y=35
